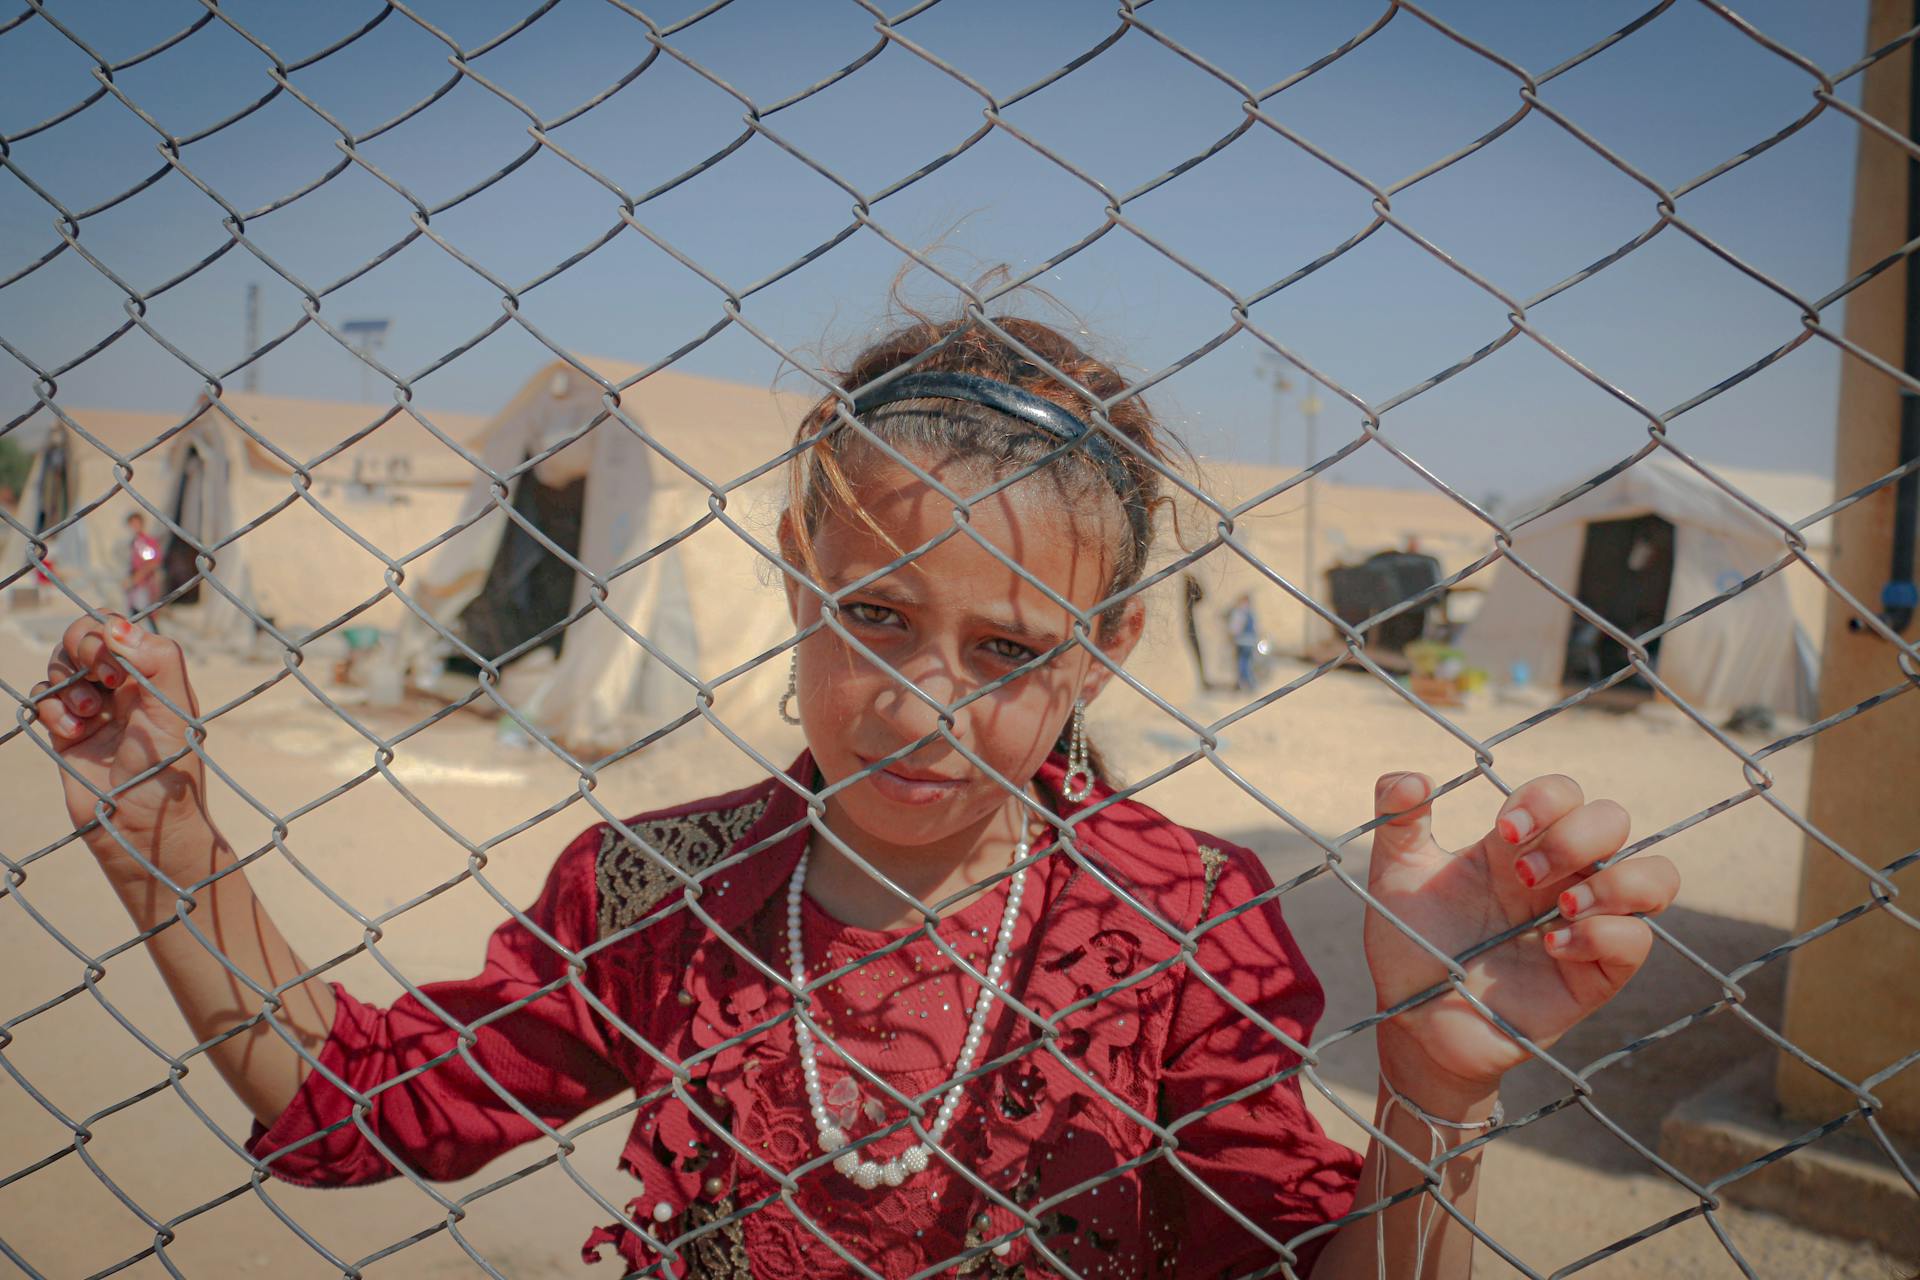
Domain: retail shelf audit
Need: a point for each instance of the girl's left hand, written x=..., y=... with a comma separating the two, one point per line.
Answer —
x=1537, y=858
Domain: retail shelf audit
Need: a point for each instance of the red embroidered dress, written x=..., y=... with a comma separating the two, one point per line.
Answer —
x=1166, y=1045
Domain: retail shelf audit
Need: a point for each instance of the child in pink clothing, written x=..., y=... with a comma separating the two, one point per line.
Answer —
x=143, y=570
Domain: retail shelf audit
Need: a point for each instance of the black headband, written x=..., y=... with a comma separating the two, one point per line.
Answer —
x=1038, y=411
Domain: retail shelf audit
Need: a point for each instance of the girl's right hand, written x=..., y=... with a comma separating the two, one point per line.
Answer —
x=109, y=729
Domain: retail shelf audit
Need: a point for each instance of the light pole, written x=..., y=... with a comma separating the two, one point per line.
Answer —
x=1310, y=414
x=367, y=336
x=250, y=380
x=1274, y=373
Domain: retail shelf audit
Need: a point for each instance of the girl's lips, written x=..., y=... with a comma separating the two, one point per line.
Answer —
x=908, y=790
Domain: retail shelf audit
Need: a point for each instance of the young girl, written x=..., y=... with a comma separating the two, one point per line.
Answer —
x=1120, y=1098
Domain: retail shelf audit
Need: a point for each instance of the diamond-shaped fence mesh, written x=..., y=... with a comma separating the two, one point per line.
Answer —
x=484, y=584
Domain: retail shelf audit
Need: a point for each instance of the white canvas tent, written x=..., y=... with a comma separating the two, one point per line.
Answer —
x=1614, y=546
x=68, y=475
x=610, y=498
x=398, y=488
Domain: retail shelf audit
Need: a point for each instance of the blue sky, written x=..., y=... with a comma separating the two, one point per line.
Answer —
x=1675, y=99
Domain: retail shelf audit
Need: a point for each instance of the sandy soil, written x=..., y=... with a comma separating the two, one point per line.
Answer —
x=1555, y=1193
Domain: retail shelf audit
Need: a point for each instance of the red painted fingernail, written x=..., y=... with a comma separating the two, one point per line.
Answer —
x=1568, y=907
x=120, y=628
x=111, y=678
x=1558, y=938
x=1530, y=869
x=1516, y=826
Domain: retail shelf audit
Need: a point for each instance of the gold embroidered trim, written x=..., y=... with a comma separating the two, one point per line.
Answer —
x=722, y=1253
x=1214, y=862
x=632, y=882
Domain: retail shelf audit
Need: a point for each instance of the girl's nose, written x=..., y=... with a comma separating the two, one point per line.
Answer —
x=911, y=715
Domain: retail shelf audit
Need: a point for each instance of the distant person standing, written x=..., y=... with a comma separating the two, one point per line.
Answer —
x=143, y=571
x=1245, y=630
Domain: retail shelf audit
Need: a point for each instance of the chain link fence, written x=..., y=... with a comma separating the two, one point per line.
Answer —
x=1593, y=1088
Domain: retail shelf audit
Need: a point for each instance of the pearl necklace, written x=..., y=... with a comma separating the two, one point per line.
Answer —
x=869, y=1174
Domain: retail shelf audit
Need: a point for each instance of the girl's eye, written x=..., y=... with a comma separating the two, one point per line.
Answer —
x=1011, y=650
x=871, y=614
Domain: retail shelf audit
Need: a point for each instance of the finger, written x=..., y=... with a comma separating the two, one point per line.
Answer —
x=1530, y=810
x=83, y=699
x=1403, y=799
x=79, y=698
x=84, y=645
x=1617, y=944
x=1645, y=885
x=157, y=657
x=61, y=724
x=1591, y=832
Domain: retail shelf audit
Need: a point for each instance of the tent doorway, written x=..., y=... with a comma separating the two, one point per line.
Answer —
x=56, y=487
x=178, y=563
x=53, y=491
x=1626, y=576
x=528, y=588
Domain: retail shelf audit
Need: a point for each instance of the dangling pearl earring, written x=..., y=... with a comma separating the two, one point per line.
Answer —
x=1077, y=783
x=793, y=690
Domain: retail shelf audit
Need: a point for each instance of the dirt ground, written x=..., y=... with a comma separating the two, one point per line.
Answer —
x=1555, y=1194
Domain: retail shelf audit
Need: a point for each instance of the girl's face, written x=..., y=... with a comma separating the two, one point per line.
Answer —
x=950, y=621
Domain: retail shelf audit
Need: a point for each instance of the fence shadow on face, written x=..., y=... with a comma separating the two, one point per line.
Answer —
x=1636, y=1093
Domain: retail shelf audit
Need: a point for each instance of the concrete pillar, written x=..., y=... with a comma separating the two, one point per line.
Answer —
x=1853, y=997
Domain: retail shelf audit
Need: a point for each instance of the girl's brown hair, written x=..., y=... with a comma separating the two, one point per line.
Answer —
x=964, y=431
